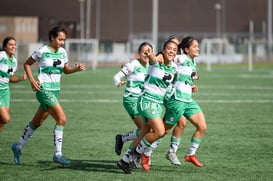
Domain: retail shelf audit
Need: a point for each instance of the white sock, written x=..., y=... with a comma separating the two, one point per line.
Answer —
x=195, y=142
x=143, y=145
x=28, y=131
x=173, y=147
x=126, y=155
x=129, y=136
x=58, y=139
x=150, y=150
x=193, y=148
x=174, y=144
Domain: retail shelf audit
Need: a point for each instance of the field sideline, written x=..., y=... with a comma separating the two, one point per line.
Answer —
x=237, y=146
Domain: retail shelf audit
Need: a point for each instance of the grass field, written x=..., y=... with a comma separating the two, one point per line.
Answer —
x=238, y=106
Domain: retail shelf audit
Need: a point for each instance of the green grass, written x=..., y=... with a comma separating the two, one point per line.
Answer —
x=238, y=106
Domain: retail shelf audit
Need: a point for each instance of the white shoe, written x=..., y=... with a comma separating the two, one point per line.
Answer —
x=173, y=158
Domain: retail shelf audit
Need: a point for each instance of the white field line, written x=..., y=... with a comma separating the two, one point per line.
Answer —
x=109, y=89
x=267, y=95
x=247, y=76
x=71, y=87
x=232, y=87
x=119, y=101
x=91, y=88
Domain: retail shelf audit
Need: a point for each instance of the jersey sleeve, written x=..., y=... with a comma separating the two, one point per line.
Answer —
x=65, y=56
x=124, y=72
x=180, y=59
x=36, y=55
x=117, y=77
x=128, y=68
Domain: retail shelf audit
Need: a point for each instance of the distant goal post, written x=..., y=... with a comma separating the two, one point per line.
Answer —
x=83, y=51
x=218, y=50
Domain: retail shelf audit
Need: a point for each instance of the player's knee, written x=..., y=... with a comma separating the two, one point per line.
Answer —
x=205, y=128
x=161, y=133
x=202, y=128
x=61, y=120
x=5, y=120
x=182, y=124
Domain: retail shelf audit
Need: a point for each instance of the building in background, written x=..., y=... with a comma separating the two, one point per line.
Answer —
x=119, y=24
x=25, y=29
x=117, y=20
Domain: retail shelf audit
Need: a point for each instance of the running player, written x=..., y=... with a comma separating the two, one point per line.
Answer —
x=52, y=61
x=181, y=103
x=134, y=72
x=150, y=104
x=178, y=129
x=8, y=66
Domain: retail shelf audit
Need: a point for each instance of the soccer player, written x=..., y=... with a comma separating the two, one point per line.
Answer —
x=134, y=72
x=183, y=86
x=178, y=129
x=8, y=66
x=52, y=62
x=150, y=104
x=181, y=103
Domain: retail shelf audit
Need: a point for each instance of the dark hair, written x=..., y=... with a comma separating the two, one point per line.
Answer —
x=167, y=42
x=6, y=40
x=186, y=43
x=171, y=37
x=144, y=44
x=53, y=33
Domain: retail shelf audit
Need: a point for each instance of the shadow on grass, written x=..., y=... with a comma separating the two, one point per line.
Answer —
x=85, y=165
x=105, y=166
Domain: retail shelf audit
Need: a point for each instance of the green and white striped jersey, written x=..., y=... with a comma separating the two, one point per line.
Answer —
x=7, y=68
x=135, y=73
x=186, y=69
x=157, y=81
x=51, y=65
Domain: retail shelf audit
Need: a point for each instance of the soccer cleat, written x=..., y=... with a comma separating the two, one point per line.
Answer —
x=124, y=166
x=145, y=162
x=173, y=158
x=119, y=144
x=134, y=159
x=16, y=153
x=61, y=160
x=193, y=159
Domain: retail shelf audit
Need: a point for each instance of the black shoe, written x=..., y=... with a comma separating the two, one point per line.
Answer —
x=124, y=166
x=119, y=144
x=135, y=159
